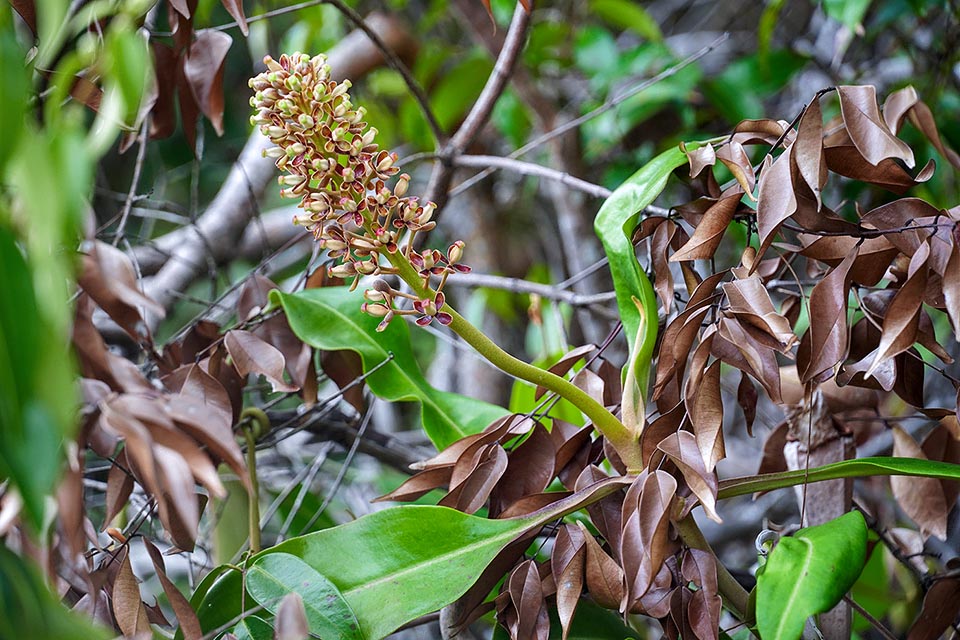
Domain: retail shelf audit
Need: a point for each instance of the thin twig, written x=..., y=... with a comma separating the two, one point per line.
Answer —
x=439, y=184
x=134, y=181
x=607, y=106
x=343, y=469
x=516, y=285
x=882, y=630
x=532, y=169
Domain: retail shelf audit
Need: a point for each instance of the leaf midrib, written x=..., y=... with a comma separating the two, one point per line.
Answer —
x=796, y=585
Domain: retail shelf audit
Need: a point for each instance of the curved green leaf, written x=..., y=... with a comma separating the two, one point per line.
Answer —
x=614, y=225
x=275, y=575
x=330, y=318
x=859, y=468
x=398, y=564
x=253, y=628
x=808, y=573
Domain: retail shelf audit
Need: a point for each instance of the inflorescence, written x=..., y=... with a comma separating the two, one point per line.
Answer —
x=334, y=165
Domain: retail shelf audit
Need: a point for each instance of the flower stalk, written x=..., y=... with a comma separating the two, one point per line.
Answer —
x=334, y=165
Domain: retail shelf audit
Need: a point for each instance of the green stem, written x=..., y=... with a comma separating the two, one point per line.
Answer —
x=735, y=597
x=612, y=429
x=254, y=510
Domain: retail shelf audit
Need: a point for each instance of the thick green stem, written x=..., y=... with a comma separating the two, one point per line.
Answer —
x=612, y=429
x=735, y=597
x=254, y=510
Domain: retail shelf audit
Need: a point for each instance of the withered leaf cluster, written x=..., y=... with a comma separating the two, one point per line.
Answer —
x=870, y=278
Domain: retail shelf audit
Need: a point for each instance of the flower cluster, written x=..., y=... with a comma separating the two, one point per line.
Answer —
x=334, y=165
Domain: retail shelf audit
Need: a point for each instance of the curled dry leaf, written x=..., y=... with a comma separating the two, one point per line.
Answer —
x=567, y=562
x=867, y=129
x=128, y=608
x=251, y=354
x=807, y=152
x=646, y=526
x=709, y=233
x=681, y=448
x=902, y=319
x=776, y=201
x=700, y=568
x=604, y=577
x=110, y=280
x=826, y=340
x=705, y=407
x=921, y=498
x=906, y=102
x=747, y=399
x=474, y=478
x=750, y=303
x=203, y=71
x=564, y=364
x=526, y=596
x=186, y=616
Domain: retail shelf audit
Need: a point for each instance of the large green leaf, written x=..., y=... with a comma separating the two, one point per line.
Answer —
x=275, y=575
x=29, y=435
x=809, y=573
x=31, y=610
x=614, y=225
x=330, y=318
x=860, y=468
x=395, y=565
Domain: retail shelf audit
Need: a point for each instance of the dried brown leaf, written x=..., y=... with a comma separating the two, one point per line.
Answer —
x=776, y=200
x=828, y=321
x=128, y=608
x=472, y=482
x=419, y=485
x=681, y=448
x=700, y=568
x=235, y=9
x=564, y=364
x=807, y=152
x=604, y=514
x=660, y=259
x=646, y=527
x=951, y=289
x=906, y=102
x=747, y=399
x=734, y=158
x=526, y=594
x=251, y=354
x=186, y=616
x=529, y=470
x=203, y=71
x=921, y=498
x=709, y=233
x=701, y=158
x=750, y=302
x=567, y=563
x=941, y=444
x=119, y=488
x=604, y=577
x=941, y=604
x=846, y=161
x=902, y=319
x=737, y=348
x=867, y=129
x=109, y=278
x=705, y=407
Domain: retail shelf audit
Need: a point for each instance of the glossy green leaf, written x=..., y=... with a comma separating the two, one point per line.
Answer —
x=275, y=575
x=330, y=318
x=614, y=225
x=253, y=628
x=809, y=573
x=859, y=468
x=395, y=565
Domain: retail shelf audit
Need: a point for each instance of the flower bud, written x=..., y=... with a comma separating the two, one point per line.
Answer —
x=403, y=182
x=376, y=310
x=455, y=252
x=372, y=295
x=345, y=270
x=306, y=121
x=367, y=267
